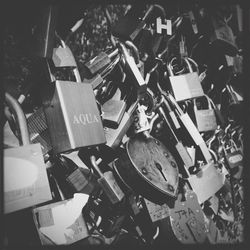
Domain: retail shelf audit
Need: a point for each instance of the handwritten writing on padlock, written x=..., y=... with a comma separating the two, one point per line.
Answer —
x=185, y=86
x=205, y=118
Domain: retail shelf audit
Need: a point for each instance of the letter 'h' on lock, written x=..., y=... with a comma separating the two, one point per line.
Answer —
x=72, y=116
x=160, y=26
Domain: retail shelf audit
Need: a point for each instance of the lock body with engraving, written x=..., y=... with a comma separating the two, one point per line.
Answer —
x=72, y=116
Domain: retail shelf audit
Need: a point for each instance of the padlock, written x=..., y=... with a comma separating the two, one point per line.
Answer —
x=141, y=122
x=201, y=182
x=25, y=178
x=100, y=61
x=112, y=112
x=114, y=136
x=205, y=118
x=133, y=70
x=185, y=86
x=63, y=57
x=72, y=116
x=187, y=219
x=222, y=37
x=234, y=159
x=61, y=223
x=108, y=183
x=71, y=178
x=139, y=63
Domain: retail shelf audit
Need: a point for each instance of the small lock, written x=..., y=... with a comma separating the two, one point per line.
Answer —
x=185, y=86
x=234, y=159
x=206, y=182
x=133, y=70
x=141, y=120
x=63, y=57
x=205, y=118
x=113, y=111
x=100, y=61
x=108, y=183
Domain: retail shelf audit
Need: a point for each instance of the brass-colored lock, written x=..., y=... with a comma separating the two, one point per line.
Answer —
x=205, y=118
x=185, y=86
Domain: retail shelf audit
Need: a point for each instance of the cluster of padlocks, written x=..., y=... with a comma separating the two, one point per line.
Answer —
x=145, y=146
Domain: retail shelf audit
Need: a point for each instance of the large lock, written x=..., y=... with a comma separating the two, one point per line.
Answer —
x=25, y=178
x=72, y=116
x=205, y=118
x=185, y=86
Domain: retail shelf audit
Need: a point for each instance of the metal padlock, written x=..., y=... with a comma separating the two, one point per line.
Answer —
x=206, y=182
x=187, y=220
x=234, y=159
x=185, y=86
x=135, y=51
x=25, y=178
x=133, y=70
x=205, y=118
x=108, y=183
x=141, y=122
x=63, y=57
x=112, y=112
x=72, y=116
x=100, y=61
x=114, y=137
x=222, y=37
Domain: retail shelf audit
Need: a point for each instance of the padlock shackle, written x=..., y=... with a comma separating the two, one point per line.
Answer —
x=208, y=101
x=150, y=10
x=134, y=49
x=169, y=66
x=190, y=69
x=188, y=60
x=16, y=109
x=95, y=165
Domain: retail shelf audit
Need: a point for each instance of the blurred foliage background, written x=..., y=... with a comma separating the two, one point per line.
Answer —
x=88, y=41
